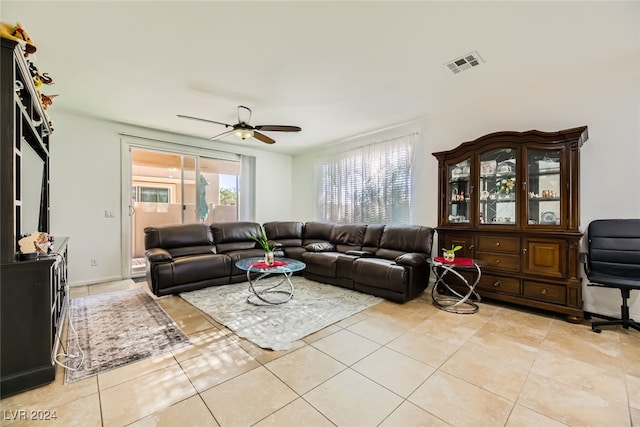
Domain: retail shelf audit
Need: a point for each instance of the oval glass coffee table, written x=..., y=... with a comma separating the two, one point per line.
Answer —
x=271, y=293
x=454, y=301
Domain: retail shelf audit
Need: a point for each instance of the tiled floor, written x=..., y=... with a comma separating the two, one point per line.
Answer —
x=392, y=365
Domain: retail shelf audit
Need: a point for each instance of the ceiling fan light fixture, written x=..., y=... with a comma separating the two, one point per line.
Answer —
x=243, y=133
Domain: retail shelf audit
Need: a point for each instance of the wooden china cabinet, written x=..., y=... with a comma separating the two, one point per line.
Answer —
x=511, y=200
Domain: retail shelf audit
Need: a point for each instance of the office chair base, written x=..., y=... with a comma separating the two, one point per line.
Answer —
x=595, y=326
x=626, y=322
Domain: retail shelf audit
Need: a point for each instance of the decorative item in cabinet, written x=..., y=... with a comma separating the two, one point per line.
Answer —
x=522, y=216
x=458, y=192
x=544, y=190
x=497, y=195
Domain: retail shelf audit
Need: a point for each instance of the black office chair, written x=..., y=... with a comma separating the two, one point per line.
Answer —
x=613, y=261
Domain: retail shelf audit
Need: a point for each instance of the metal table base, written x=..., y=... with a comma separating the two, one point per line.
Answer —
x=457, y=302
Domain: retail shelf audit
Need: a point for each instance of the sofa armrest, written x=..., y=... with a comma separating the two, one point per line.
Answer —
x=412, y=259
x=158, y=255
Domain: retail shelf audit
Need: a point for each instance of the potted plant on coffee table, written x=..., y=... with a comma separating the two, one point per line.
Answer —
x=450, y=254
x=262, y=240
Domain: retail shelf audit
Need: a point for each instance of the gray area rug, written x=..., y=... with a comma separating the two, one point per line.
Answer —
x=313, y=307
x=118, y=328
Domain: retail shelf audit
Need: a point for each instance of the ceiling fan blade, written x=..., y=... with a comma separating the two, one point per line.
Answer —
x=278, y=128
x=263, y=138
x=213, y=138
x=203, y=120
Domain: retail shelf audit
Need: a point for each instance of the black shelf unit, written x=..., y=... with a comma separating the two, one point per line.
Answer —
x=33, y=292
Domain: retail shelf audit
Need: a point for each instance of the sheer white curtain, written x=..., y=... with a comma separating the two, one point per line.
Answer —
x=369, y=184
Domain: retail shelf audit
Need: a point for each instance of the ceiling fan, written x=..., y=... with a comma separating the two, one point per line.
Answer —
x=244, y=130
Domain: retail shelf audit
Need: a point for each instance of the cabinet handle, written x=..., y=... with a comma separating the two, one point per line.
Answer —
x=543, y=292
x=497, y=262
x=524, y=251
x=497, y=244
x=470, y=247
x=497, y=284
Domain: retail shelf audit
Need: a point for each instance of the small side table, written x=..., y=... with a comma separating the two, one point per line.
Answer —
x=272, y=294
x=455, y=302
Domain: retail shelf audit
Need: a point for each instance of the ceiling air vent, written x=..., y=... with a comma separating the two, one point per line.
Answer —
x=465, y=62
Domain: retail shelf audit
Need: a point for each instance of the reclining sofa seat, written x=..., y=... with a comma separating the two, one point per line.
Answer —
x=183, y=258
x=286, y=236
x=398, y=270
x=234, y=240
x=383, y=260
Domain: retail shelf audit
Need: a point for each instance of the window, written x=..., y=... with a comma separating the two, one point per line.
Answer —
x=151, y=194
x=370, y=184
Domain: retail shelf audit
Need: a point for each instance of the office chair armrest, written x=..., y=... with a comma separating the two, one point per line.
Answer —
x=584, y=259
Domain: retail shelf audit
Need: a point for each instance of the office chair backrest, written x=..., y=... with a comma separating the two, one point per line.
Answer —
x=614, y=247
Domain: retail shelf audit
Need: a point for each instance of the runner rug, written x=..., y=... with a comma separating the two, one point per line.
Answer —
x=118, y=328
x=313, y=307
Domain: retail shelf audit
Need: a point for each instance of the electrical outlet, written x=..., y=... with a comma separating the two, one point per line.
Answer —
x=94, y=262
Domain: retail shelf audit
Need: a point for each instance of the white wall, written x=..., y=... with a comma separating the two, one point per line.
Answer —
x=609, y=104
x=86, y=181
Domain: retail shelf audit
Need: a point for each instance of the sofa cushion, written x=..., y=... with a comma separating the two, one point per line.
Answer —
x=191, y=250
x=316, y=232
x=348, y=236
x=233, y=236
x=177, y=236
x=372, y=237
x=284, y=230
x=399, y=239
x=193, y=269
x=380, y=273
x=321, y=263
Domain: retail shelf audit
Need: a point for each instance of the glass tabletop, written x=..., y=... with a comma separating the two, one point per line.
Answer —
x=282, y=265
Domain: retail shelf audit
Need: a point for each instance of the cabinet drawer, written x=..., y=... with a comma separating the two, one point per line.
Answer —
x=498, y=244
x=545, y=292
x=498, y=261
x=499, y=284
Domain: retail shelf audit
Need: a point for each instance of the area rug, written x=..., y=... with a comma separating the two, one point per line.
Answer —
x=118, y=328
x=313, y=307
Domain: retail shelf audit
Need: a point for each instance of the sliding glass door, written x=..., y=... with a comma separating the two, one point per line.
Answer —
x=177, y=188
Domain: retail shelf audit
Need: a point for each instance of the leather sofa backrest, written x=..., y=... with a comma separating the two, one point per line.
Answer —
x=314, y=232
x=400, y=239
x=347, y=237
x=176, y=236
x=372, y=237
x=180, y=240
x=285, y=233
x=231, y=236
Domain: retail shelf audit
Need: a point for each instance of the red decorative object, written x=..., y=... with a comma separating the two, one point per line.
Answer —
x=262, y=264
x=463, y=262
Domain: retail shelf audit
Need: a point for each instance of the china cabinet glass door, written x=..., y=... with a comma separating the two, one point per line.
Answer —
x=458, y=192
x=543, y=187
x=497, y=193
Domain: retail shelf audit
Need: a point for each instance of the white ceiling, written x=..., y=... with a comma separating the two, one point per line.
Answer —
x=337, y=69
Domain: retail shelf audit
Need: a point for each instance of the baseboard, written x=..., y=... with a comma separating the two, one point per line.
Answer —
x=97, y=280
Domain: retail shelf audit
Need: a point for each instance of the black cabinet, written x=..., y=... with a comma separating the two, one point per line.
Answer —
x=24, y=152
x=32, y=307
x=32, y=293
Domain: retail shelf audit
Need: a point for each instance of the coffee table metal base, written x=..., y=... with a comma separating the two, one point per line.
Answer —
x=279, y=293
x=456, y=303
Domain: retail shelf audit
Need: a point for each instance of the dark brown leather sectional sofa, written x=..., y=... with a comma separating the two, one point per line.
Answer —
x=383, y=260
